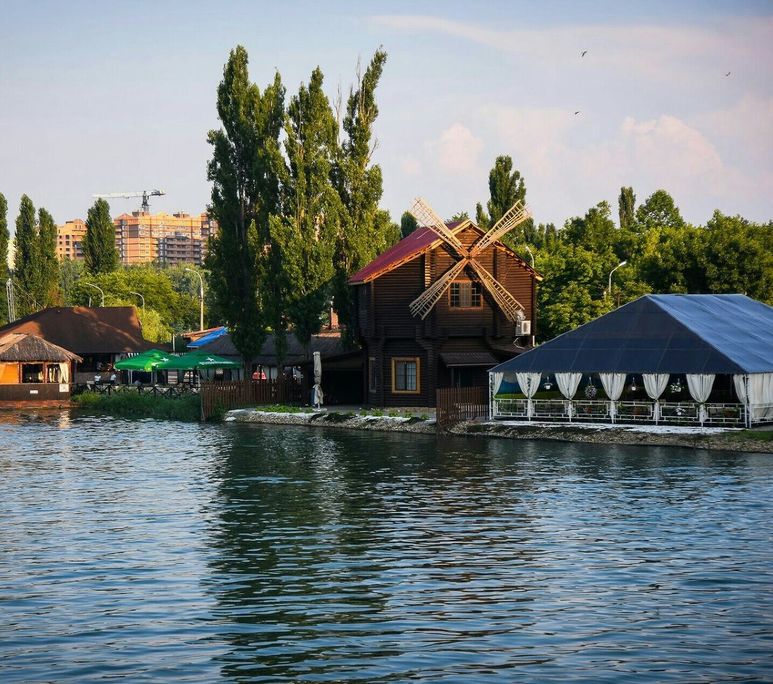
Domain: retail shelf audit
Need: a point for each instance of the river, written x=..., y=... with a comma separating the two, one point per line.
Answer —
x=153, y=551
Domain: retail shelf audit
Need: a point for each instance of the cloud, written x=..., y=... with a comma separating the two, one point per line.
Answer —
x=410, y=166
x=457, y=151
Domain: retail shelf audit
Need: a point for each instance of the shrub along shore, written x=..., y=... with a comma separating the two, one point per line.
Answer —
x=134, y=405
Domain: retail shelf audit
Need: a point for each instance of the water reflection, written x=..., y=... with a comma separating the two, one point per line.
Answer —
x=151, y=550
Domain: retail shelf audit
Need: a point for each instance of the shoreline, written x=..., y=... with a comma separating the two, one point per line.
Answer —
x=628, y=435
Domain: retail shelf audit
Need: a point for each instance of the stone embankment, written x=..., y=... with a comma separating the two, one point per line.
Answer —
x=645, y=435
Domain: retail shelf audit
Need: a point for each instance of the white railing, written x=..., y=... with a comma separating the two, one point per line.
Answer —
x=679, y=413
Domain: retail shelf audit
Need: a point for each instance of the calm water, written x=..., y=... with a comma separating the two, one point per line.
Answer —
x=163, y=551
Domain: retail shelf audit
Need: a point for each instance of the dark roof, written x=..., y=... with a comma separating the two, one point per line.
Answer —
x=327, y=344
x=720, y=334
x=86, y=330
x=467, y=359
x=20, y=347
x=419, y=241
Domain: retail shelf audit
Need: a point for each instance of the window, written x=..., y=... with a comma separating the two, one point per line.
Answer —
x=372, y=377
x=465, y=295
x=405, y=375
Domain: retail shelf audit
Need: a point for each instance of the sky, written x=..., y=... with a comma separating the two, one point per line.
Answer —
x=119, y=96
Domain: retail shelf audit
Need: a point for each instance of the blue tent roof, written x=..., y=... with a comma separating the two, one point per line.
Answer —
x=721, y=334
x=209, y=337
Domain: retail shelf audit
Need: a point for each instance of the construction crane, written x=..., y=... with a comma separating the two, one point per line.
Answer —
x=145, y=194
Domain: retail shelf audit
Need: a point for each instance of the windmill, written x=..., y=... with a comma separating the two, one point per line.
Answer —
x=467, y=259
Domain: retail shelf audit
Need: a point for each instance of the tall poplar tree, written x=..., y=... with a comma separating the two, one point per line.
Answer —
x=244, y=170
x=506, y=187
x=304, y=236
x=25, y=261
x=99, y=250
x=4, y=240
x=48, y=264
x=408, y=224
x=626, y=207
x=366, y=231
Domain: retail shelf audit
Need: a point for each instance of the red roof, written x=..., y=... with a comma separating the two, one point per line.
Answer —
x=408, y=248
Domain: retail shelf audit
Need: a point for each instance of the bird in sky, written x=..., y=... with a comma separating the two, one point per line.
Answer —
x=577, y=112
x=727, y=74
x=583, y=53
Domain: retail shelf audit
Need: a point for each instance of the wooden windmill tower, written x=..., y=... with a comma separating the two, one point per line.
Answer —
x=467, y=260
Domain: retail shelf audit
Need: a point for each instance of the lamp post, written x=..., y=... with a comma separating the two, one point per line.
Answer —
x=141, y=297
x=100, y=291
x=608, y=291
x=531, y=254
x=201, y=297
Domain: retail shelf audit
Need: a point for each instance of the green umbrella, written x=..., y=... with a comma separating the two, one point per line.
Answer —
x=146, y=361
x=196, y=360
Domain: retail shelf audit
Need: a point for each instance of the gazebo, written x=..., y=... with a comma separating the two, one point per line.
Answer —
x=720, y=345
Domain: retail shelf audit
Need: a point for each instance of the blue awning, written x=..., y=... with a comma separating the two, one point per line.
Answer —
x=209, y=337
x=720, y=334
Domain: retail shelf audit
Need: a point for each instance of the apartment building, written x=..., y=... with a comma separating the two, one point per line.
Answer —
x=69, y=239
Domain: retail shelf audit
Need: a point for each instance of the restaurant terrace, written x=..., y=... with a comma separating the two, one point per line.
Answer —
x=681, y=359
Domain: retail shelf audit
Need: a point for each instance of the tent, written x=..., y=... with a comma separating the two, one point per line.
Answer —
x=145, y=361
x=699, y=336
x=196, y=360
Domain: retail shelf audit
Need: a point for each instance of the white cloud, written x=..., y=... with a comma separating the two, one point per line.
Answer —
x=457, y=151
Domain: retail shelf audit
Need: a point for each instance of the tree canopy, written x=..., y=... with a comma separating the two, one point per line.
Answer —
x=99, y=250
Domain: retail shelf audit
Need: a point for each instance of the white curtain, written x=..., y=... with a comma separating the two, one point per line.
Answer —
x=529, y=384
x=64, y=373
x=655, y=384
x=700, y=385
x=568, y=383
x=613, y=385
x=760, y=394
x=496, y=382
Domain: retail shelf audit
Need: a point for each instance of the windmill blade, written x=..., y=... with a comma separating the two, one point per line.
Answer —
x=423, y=304
x=510, y=305
x=516, y=214
x=426, y=216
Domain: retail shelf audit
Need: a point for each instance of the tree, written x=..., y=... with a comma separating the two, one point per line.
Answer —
x=408, y=224
x=304, y=236
x=658, y=210
x=626, y=204
x=4, y=240
x=365, y=230
x=48, y=264
x=460, y=216
x=99, y=250
x=244, y=170
x=506, y=187
x=25, y=263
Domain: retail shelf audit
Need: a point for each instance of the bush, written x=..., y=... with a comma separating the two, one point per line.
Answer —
x=134, y=405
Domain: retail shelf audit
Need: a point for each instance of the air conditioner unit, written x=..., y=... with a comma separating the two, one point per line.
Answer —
x=522, y=327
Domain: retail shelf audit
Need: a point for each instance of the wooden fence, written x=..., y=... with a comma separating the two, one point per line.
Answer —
x=457, y=404
x=218, y=396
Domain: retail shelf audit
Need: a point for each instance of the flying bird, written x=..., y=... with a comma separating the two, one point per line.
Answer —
x=583, y=53
x=727, y=74
x=577, y=112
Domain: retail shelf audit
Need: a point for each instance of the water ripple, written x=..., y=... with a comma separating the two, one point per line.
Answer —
x=149, y=551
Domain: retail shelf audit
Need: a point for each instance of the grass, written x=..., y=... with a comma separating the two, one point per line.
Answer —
x=752, y=435
x=131, y=405
x=283, y=408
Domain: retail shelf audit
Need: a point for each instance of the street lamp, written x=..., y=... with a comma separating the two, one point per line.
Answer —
x=100, y=291
x=141, y=297
x=531, y=254
x=201, y=297
x=608, y=291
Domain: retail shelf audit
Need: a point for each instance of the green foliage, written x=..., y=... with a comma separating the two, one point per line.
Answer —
x=506, y=187
x=658, y=210
x=365, y=231
x=25, y=259
x=408, y=224
x=130, y=404
x=99, y=250
x=626, y=204
x=48, y=264
x=244, y=170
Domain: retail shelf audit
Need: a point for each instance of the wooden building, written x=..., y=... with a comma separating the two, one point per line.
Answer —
x=441, y=307
x=33, y=371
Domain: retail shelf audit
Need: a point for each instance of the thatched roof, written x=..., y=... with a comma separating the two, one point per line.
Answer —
x=85, y=330
x=20, y=347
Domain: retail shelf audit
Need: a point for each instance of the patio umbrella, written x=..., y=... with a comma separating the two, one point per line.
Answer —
x=197, y=360
x=146, y=361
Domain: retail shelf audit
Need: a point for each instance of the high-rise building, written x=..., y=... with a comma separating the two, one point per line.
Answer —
x=164, y=238
x=69, y=239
